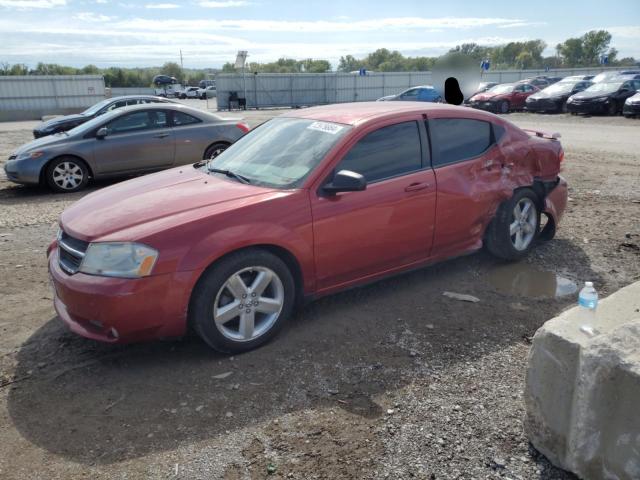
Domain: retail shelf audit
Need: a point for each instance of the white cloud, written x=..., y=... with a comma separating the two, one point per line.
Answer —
x=523, y=24
x=32, y=3
x=625, y=32
x=161, y=6
x=91, y=17
x=224, y=4
x=102, y=1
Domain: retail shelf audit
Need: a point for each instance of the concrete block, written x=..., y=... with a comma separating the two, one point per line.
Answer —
x=582, y=393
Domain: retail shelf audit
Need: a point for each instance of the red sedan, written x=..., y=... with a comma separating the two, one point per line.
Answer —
x=504, y=98
x=309, y=203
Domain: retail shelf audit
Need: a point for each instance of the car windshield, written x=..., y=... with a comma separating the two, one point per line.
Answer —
x=93, y=123
x=281, y=152
x=502, y=89
x=604, y=87
x=561, y=87
x=98, y=106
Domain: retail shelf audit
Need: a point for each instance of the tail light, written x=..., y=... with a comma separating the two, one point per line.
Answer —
x=243, y=126
x=561, y=155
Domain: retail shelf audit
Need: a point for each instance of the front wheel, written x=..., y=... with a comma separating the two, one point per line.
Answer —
x=514, y=229
x=214, y=150
x=67, y=174
x=503, y=106
x=242, y=301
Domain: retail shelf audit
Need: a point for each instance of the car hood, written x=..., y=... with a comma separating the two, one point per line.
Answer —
x=39, y=143
x=590, y=95
x=387, y=98
x=54, y=122
x=543, y=94
x=484, y=96
x=160, y=197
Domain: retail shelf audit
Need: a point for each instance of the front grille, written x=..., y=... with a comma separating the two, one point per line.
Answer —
x=70, y=253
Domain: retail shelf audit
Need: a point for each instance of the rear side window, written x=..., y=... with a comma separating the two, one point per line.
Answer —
x=180, y=119
x=387, y=152
x=457, y=139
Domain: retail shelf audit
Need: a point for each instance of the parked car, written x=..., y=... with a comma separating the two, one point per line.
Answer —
x=576, y=78
x=603, y=97
x=309, y=203
x=125, y=141
x=504, y=97
x=209, y=92
x=67, y=122
x=606, y=76
x=206, y=83
x=190, y=92
x=552, y=80
x=170, y=91
x=482, y=87
x=539, y=82
x=425, y=93
x=554, y=97
x=632, y=106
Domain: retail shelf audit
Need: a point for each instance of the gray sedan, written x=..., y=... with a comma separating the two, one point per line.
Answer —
x=127, y=141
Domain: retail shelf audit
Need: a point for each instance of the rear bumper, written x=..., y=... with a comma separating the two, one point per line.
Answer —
x=117, y=310
x=555, y=202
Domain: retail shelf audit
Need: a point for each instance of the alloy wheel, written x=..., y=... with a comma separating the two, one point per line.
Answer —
x=68, y=175
x=248, y=303
x=523, y=226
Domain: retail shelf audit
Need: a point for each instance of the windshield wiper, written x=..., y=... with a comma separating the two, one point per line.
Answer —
x=229, y=173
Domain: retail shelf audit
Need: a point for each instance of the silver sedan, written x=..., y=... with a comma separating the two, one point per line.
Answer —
x=127, y=141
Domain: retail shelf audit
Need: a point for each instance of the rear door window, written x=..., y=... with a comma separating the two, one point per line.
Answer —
x=458, y=139
x=180, y=119
x=384, y=153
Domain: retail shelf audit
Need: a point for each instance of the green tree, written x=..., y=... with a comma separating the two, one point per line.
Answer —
x=594, y=45
x=349, y=63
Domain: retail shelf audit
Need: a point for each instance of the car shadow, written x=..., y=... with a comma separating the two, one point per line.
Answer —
x=96, y=403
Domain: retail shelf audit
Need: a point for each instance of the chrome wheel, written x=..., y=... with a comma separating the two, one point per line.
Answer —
x=248, y=304
x=67, y=175
x=523, y=226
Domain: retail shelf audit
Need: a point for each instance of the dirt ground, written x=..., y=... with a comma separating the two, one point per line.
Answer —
x=393, y=380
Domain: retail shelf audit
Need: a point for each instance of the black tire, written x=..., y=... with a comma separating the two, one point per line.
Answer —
x=76, y=178
x=207, y=290
x=563, y=107
x=503, y=107
x=613, y=108
x=498, y=239
x=214, y=150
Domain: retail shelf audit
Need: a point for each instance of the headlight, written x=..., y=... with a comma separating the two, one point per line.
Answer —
x=119, y=259
x=33, y=155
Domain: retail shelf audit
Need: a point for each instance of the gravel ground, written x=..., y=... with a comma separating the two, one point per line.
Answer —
x=393, y=380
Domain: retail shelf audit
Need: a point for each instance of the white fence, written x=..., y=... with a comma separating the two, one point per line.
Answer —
x=32, y=96
x=120, y=91
x=266, y=90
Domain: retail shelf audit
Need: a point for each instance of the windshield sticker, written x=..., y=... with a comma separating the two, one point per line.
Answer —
x=331, y=128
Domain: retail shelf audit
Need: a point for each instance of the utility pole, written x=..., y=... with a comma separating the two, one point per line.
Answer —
x=181, y=64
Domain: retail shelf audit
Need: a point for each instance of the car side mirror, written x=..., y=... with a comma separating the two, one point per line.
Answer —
x=345, y=181
x=101, y=133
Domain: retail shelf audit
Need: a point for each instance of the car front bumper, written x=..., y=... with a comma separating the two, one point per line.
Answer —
x=543, y=106
x=487, y=106
x=591, y=107
x=119, y=310
x=631, y=109
x=25, y=170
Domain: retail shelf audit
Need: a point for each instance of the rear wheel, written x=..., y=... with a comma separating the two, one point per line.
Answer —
x=243, y=301
x=67, y=174
x=514, y=229
x=214, y=150
x=503, y=106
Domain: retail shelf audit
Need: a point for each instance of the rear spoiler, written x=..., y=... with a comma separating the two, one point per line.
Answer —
x=538, y=133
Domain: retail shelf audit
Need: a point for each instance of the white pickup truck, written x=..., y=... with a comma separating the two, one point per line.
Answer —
x=173, y=90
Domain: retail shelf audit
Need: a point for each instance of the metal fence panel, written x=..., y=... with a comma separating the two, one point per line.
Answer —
x=304, y=89
x=121, y=91
x=23, y=97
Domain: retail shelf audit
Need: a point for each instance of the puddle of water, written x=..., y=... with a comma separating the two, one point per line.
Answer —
x=524, y=280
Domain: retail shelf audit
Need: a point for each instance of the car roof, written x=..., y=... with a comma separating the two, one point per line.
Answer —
x=172, y=106
x=144, y=97
x=363, y=112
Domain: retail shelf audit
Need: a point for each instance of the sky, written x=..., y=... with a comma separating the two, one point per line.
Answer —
x=209, y=33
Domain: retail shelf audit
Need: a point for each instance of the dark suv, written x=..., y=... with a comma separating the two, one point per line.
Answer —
x=67, y=122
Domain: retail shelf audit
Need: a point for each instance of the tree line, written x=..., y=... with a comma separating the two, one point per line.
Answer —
x=585, y=51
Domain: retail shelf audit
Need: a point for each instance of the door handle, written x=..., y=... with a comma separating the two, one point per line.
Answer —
x=161, y=135
x=416, y=186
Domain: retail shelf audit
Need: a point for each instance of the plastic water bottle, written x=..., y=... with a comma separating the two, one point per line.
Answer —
x=588, y=303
